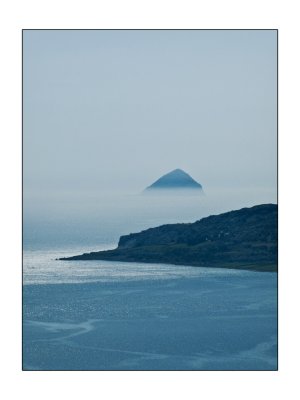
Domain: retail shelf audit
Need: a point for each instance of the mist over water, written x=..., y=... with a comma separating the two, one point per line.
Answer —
x=100, y=218
x=106, y=113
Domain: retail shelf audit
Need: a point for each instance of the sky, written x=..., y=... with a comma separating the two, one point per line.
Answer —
x=115, y=110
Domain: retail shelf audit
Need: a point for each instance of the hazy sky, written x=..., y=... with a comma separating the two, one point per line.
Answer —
x=117, y=109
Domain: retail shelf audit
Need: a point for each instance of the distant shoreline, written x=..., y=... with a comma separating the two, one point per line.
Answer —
x=254, y=268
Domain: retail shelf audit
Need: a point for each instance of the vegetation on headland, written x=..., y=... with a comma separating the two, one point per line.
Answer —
x=241, y=239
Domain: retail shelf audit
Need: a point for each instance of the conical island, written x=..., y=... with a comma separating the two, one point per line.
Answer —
x=174, y=180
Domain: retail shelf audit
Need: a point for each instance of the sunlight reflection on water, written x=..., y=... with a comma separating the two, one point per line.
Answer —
x=41, y=267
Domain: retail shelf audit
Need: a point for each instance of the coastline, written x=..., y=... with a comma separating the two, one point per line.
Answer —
x=238, y=239
x=99, y=256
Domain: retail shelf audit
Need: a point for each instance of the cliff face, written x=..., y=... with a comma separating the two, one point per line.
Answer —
x=245, y=238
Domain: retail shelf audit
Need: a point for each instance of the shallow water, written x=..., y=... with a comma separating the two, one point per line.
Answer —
x=125, y=316
x=100, y=315
x=42, y=267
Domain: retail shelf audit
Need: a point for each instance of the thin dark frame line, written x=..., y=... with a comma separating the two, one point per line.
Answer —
x=22, y=186
x=151, y=29
x=22, y=207
x=277, y=131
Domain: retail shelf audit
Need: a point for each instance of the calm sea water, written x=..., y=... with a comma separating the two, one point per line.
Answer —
x=98, y=315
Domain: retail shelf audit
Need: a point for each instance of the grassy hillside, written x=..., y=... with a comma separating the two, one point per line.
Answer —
x=245, y=239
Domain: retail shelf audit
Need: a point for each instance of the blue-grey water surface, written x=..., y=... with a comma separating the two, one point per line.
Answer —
x=99, y=315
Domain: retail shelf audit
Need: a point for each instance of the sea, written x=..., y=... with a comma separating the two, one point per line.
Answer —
x=101, y=315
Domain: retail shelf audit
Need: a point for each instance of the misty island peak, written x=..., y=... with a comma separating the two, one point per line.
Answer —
x=176, y=179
